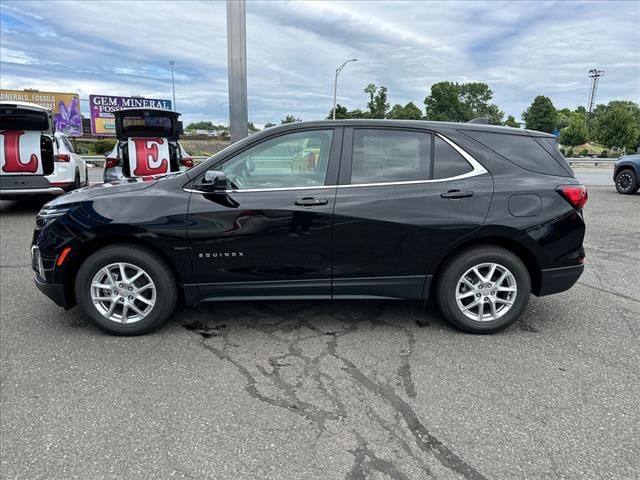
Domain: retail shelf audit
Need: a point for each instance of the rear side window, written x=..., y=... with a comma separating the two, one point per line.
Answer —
x=390, y=156
x=522, y=150
x=447, y=161
x=67, y=144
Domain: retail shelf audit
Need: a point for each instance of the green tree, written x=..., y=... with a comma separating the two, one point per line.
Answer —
x=341, y=113
x=618, y=125
x=409, y=112
x=269, y=124
x=201, y=126
x=378, y=104
x=444, y=103
x=455, y=102
x=575, y=133
x=511, y=122
x=252, y=127
x=541, y=115
x=290, y=119
x=563, y=118
x=357, y=113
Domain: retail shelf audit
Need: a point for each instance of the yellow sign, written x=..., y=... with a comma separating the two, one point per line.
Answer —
x=65, y=107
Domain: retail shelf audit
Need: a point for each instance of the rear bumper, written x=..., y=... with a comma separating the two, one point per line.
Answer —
x=24, y=192
x=556, y=280
x=53, y=291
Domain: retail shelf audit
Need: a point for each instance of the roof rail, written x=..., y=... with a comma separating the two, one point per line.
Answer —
x=481, y=120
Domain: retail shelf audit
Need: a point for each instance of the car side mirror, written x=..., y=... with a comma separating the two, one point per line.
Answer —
x=214, y=181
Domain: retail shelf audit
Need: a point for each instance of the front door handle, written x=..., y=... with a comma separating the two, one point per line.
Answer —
x=456, y=194
x=311, y=202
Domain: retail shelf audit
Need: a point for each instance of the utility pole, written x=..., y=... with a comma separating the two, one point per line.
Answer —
x=173, y=84
x=335, y=84
x=237, y=65
x=594, y=75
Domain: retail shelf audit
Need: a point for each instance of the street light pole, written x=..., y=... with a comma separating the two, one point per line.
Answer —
x=335, y=84
x=173, y=84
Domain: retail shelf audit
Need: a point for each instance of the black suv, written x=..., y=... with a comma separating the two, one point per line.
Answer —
x=477, y=217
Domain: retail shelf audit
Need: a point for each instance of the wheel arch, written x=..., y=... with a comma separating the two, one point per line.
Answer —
x=514, y=246
x=102, y=241
x=634, y=167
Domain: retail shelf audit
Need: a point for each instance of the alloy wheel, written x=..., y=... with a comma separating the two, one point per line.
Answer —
x=486, y=292
x=625, y=181
x=123, y=293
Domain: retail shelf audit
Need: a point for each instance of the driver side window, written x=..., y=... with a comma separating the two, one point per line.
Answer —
x=292, y=160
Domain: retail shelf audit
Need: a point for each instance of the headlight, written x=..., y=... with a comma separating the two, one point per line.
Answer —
x=48, y=214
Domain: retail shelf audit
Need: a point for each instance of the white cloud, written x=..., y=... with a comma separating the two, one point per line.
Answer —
x=521, y=49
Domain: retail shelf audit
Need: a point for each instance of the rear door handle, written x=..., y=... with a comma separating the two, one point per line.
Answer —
x=456, y=194
x=311, y=202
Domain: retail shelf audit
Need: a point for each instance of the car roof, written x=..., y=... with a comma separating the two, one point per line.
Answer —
x=420, y=124
x=29, y=105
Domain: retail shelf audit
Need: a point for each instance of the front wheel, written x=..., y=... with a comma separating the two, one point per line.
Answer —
x=483, y=289
x=126, y=290
x=626, y=182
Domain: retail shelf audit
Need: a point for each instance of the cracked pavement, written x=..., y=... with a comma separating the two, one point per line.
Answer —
x=321, y=390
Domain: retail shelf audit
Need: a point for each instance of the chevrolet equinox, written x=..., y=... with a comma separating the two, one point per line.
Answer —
x=476, y=217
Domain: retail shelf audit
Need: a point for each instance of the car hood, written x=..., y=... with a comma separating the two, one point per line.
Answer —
x=111, y=188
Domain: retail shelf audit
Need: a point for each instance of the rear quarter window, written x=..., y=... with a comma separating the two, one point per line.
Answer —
x=522, y=150
x=448, y=162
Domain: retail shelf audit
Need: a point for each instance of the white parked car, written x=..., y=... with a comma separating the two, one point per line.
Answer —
x=70, y=169
x=33, y=159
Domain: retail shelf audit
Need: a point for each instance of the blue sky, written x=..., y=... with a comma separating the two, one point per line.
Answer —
x=520, y=48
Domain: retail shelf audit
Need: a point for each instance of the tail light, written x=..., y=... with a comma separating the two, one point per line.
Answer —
x=187, y=162
x=576, y=195
x=62, y=157
x=111, y=162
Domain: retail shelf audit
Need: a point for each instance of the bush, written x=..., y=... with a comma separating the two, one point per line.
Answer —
x=584, y=152
x=604, y=154
x=562, y=151
x=103, y=146
x=569, y=153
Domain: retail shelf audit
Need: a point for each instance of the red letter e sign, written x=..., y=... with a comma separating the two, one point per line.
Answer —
x=148, y=156
x=20, y=153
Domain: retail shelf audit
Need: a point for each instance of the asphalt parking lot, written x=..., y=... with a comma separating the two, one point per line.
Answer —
x=343, y=390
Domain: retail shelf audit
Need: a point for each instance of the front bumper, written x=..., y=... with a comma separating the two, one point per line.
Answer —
x=54, y=291
x=556, y=280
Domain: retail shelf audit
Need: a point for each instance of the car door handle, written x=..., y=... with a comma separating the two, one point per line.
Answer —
x=456, y=194
x=311, y=202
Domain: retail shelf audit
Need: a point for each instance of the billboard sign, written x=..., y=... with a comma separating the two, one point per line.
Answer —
x=103, y=106
x=65, y=107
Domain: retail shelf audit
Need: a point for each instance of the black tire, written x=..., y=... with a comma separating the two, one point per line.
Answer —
x=626, y=182
x=76, y=181
x=456, y=267
x=86, y=176
x=155, y=267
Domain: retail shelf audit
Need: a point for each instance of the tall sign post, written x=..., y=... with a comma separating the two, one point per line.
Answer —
x=237, y=64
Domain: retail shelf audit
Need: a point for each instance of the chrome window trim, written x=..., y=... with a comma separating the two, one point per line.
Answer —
x=477, y=169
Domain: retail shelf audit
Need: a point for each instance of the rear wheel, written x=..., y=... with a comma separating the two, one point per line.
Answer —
x=126, y=290
x=483, y=289
x=76, y=181
x=626, y=181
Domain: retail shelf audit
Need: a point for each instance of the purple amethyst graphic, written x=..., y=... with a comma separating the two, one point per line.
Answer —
x=68, y=120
